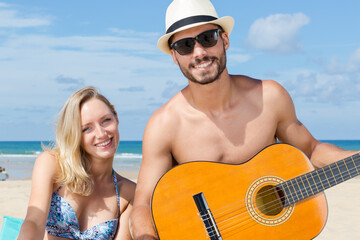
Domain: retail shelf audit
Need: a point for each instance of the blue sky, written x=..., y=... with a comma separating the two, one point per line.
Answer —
x=49, y=49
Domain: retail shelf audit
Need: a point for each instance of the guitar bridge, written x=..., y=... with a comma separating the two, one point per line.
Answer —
x=207, y=217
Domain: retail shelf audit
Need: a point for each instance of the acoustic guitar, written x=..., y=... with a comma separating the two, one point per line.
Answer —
x=277, y=194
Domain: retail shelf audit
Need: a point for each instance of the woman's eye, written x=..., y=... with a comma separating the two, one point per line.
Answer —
x=107, y=120
x=86, y=129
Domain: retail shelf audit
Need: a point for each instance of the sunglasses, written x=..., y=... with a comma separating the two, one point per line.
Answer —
x=206, y=39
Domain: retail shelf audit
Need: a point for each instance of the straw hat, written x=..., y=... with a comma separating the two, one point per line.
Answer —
x=184, y=14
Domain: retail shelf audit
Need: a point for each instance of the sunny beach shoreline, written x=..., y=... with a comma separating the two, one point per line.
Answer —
x=342, y=222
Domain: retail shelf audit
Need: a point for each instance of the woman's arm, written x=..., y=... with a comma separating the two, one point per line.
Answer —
x=43, y=176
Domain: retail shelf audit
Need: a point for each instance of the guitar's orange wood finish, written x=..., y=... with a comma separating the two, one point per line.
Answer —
x=176, y=216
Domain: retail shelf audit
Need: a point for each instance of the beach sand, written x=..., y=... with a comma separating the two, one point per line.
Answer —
x=343, y=204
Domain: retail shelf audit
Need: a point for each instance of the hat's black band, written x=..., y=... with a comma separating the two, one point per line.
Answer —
x=190, y=20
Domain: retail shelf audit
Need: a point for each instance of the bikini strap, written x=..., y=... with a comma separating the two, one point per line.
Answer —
x=58, y=190
x=117, y=189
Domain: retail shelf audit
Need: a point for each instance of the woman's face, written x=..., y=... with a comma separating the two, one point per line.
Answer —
x=100, y=135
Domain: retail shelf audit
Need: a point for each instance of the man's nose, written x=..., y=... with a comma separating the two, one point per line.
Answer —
x=199, y=51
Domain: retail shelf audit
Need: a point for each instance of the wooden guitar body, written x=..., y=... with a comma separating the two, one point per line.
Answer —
x=240, y=197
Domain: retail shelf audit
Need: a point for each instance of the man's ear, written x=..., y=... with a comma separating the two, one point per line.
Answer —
x=225, y=38
x=173, y=55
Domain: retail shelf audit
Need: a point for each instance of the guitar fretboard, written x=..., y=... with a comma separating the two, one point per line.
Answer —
x=311, y=183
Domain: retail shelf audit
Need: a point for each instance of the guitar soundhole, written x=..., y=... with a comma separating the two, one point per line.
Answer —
x=269, y=200
x=265, y=202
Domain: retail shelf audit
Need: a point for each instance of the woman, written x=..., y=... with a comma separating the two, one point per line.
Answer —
x=75, y=192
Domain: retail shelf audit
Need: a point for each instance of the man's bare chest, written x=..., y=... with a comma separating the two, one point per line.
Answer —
x=232, y=143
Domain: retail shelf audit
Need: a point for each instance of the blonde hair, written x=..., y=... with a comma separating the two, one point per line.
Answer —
x=72, y=159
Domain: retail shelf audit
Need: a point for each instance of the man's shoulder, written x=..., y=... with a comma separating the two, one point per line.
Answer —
x=273, y=89
x=164, y=123
x=246, y=81
x=168, y=112
x=268, y=90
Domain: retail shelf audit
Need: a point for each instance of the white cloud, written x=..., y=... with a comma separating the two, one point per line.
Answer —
x=130, y=32
x=42, y=70
x=335, y=66
x=11, y=19
x=132, y=89
x=172, y=88
x=239, y=58
x=354, y=61
x=321, y=87
x=277, y=34
x=83, y=43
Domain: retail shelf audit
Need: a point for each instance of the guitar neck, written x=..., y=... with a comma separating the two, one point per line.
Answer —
x=311, y=183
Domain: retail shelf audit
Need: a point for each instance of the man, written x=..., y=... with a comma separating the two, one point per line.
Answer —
x=218, y=117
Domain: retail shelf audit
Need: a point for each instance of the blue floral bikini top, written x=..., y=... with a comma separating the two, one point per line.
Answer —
x=63, y=222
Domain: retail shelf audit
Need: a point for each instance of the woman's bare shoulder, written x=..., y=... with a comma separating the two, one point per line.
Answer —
x=46, y=165
x=126, y=187
x=47, y=158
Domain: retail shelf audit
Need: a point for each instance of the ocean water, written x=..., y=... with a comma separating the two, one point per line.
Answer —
x=18, y=157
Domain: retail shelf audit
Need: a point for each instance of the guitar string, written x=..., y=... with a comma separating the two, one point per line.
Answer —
x=237, y=221
x=268, y=208
x=233, y=222
x=219, y=215
x=270, y=192
x=225, y=232
x=356, y=172
x=233, y=230
x=238, y=227
x=240, y=221
x=241, y=217
x=249, y=219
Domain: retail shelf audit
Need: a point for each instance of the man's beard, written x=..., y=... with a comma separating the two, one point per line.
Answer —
x=206, y=77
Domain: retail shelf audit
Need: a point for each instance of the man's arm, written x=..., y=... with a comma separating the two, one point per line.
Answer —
x=157, y=159
x=325, y=153
x=291, y=130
